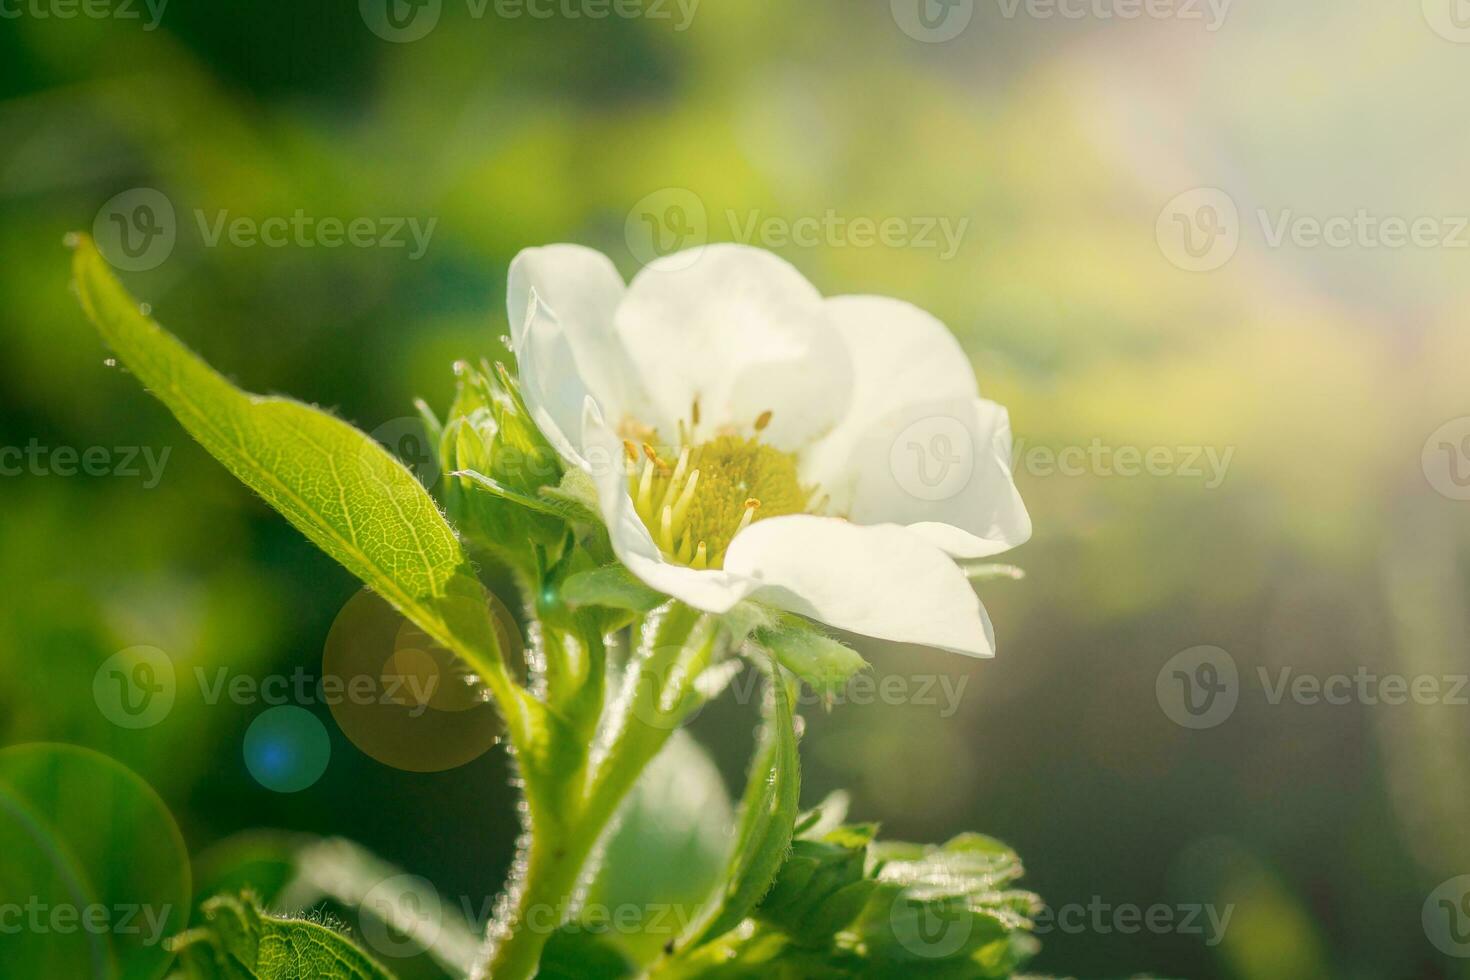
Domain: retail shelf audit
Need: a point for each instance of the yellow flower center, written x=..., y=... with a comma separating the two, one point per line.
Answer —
x=695, y=499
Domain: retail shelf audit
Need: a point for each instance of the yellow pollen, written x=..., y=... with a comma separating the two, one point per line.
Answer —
x=712, y=492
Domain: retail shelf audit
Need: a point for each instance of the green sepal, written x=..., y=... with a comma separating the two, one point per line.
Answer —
x=820, y=662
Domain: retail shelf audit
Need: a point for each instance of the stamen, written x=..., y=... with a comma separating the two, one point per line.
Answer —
x=763, y=420
x=645, y=490
x=686, y=550
x=673, y=487
x=631, y=450
x=751, y=506
x=681, y=507
x=666, y=531
x=694, y=411
x=701, y=557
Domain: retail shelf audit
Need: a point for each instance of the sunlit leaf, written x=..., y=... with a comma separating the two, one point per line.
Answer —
x=239, y=942
x=332, y=482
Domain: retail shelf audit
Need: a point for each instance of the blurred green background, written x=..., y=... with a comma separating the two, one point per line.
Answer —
x=1331, y=541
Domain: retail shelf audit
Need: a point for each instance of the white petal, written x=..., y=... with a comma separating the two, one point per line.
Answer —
x=561, y=300
x=899, y=355
x=708, y=589
x=918, y=446
x=881, y=580
x=944, y=469
x=742, y=331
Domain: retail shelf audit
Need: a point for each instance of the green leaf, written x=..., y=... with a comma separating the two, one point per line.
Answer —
x=821, y=887
x=818, y=660
x=573, y=953
x=613, y=586
x=300, y=873
x=666, y=855
x=768, y=814
x=332, y=482
x=949, y=903
x=239, y=942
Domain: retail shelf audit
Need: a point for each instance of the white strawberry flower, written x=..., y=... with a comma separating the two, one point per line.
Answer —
x=749, y=438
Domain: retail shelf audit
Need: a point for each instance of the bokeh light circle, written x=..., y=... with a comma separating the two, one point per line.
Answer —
x=287, y=749
x=403, y=699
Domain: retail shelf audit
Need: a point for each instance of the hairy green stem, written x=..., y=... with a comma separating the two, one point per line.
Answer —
x=681, y=644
